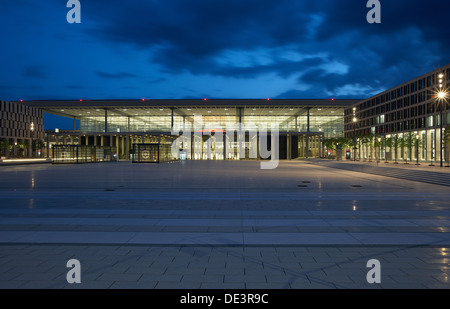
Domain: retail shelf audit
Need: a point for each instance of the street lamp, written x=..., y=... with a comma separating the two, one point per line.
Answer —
x=32, y=137
x=441, y=97
x=354, y=133
x=417, y=149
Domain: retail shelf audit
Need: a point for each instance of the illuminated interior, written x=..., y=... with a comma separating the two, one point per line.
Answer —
x=305, y=123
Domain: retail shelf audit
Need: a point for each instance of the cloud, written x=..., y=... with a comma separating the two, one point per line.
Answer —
x=119, y=75
x=34, y=71
x=74, y=87
x=246, y=39
x=354, y=90
x=310, y=49
x=157, y=80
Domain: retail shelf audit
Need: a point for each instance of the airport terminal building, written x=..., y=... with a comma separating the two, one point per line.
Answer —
x=302, y=125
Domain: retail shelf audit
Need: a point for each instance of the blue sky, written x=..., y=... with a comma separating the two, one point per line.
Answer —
x=175, y=49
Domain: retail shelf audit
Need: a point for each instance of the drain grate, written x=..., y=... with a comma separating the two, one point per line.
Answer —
x=306, y=181
x=356, y=186
x=109, y=190
x=302, y=186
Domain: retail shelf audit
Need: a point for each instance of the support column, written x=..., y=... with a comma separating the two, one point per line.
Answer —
x=192, y=145
x=307, y=132
x=238, y=135
x=127, y=147
x=258, y=157
x=122, y=146
x=117, y=146
x=288, y=146
x=48, y=146
x=106, y=120
x=224, y=145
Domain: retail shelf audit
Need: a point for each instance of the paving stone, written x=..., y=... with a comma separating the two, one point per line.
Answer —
x=217, y=252
x=133, y=285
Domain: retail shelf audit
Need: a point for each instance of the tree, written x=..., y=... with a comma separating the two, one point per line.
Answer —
x=2, y=147
x=329, y=143
x=338, y=143
x=410, y=141
x=418, y=144
x=394, y=142
x=37, y=144
x=377, y=141
x=359, y=139
x=367, y=140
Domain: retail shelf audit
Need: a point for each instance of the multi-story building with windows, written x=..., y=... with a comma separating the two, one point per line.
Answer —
x=415, y=111
x=21, y=129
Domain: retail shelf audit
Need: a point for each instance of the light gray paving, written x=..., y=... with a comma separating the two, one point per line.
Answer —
x=220, y=225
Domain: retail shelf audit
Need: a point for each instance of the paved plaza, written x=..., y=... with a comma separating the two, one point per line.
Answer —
x=224, y=225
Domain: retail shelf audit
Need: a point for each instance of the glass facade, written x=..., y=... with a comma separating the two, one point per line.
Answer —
x=203, y=129
x=76, y=154
x=329, y=121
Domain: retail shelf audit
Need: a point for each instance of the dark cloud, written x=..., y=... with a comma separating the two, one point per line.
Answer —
x=326, y=46
x=34, y=71
x=4, y=87
x=193, y=36
x=120, y=75
x=186, y=35
x=157, y=80
x=74, y=87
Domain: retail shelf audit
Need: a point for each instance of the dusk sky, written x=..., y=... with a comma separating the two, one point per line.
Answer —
x=175, y=49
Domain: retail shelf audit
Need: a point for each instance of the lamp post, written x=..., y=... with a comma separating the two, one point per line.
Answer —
x=354, y=133
x=32, y=138
x=417, y=149
x=354, y=137
x=441, y=98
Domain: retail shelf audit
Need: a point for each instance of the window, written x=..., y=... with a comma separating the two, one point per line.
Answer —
x=429, y=121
